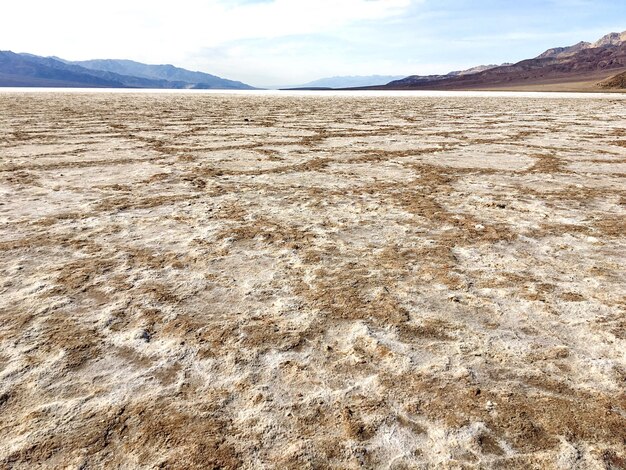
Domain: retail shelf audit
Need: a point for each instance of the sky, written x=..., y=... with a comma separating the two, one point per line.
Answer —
x=290, y=42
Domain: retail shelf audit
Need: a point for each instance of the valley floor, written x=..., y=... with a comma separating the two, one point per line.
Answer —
x=213, y=281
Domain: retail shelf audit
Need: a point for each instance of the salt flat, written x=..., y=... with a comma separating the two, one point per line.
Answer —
x=287, y=281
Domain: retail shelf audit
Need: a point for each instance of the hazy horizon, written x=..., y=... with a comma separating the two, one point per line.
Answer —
x=287, y=42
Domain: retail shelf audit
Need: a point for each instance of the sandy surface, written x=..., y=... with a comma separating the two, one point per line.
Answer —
x=212, y=281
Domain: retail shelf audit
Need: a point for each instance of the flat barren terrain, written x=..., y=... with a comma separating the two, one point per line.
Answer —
x=240, y=281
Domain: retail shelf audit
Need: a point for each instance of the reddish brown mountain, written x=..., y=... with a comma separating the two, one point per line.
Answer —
x=578, y=67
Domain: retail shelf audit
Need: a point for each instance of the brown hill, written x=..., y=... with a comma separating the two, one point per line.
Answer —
x=578, y=67
x=617, y=82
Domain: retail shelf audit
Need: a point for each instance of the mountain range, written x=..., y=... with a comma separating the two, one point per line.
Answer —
x=585, y=66
x=582, y=67
x=27, y=70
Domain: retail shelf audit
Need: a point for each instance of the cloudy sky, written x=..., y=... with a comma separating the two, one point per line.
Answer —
x=284, y=42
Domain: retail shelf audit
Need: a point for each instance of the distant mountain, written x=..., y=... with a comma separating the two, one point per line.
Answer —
x=578, y=67
x=27, y=70
x=359, y=81
x=168, y=73
x=351, y=81
x=419, y=78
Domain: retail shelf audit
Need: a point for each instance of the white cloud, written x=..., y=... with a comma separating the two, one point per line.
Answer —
x=161, y=31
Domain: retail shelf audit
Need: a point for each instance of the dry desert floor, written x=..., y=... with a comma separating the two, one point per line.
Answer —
x=251, y=281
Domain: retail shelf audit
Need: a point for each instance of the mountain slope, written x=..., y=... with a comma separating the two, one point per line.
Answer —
x=27, y=70
x=611, y=39
x=167, y=73
x=581, y=66
x=561, y=52
x=474, y=70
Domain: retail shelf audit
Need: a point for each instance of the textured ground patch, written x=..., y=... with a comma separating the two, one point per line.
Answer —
x=206, y=281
